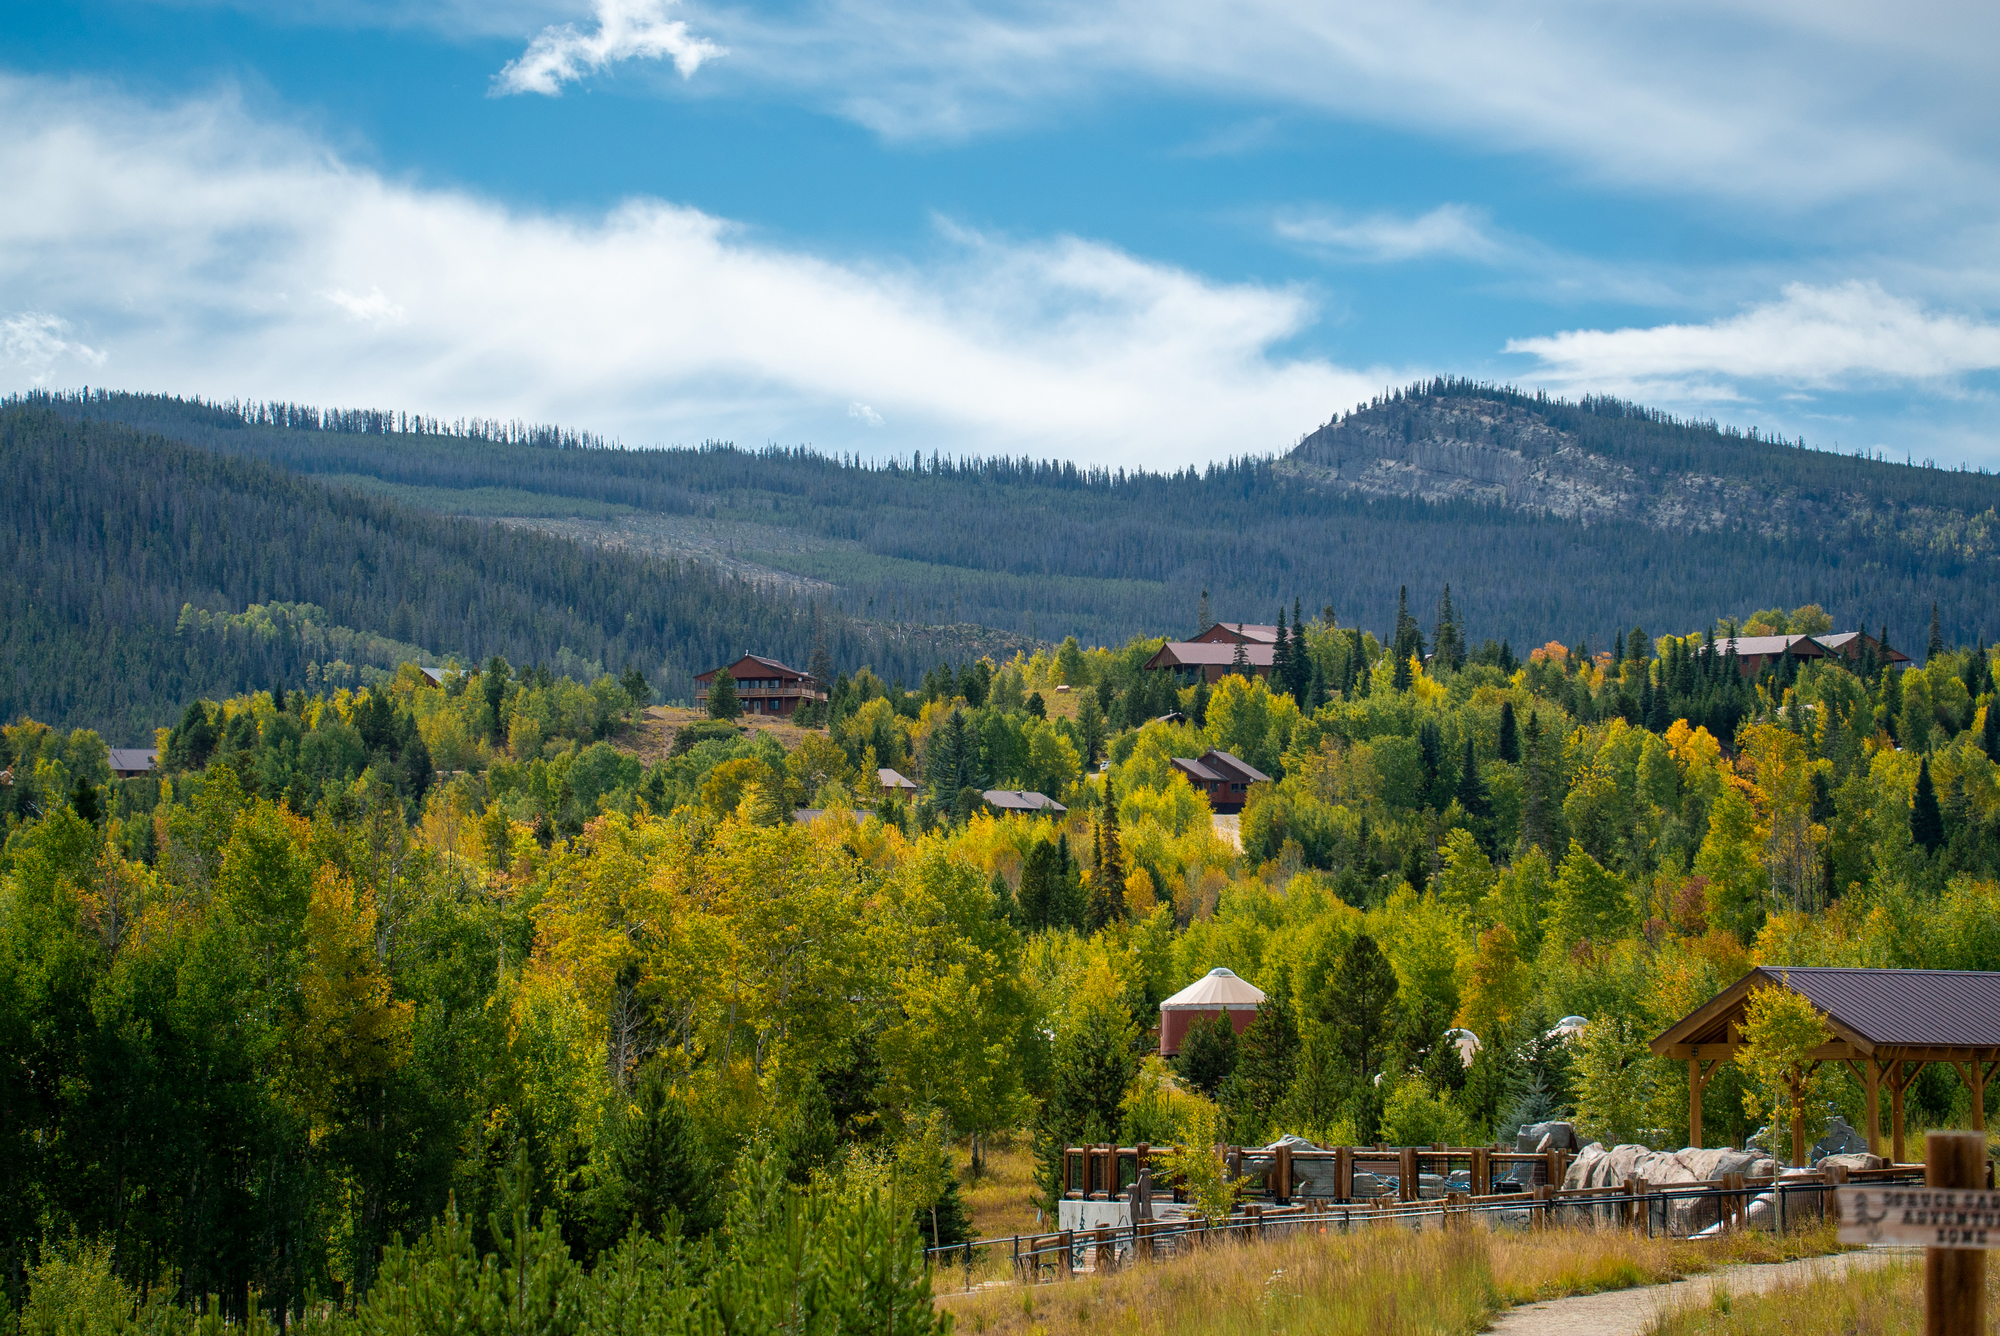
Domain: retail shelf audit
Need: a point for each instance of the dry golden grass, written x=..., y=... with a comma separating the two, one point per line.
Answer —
x=1882, y=1301
x=653, y=735
x=1385, y=1279
x=1385, y=1282
x=997, y=1201
x=1547, y=1264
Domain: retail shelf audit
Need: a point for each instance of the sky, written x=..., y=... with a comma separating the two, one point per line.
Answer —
x=1133, y=235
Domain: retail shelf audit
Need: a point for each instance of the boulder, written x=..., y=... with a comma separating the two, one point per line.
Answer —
x=1857, y=1160
x=1545, y=1136
x=1840, y=1139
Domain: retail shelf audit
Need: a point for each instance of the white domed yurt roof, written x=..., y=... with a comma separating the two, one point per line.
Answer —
x=1217, y=990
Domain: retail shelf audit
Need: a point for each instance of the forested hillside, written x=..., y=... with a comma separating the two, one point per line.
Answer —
x=112, y=534
x=1615, y=515
x=443, y=962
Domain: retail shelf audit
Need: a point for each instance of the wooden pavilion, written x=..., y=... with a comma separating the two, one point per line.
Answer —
x=1887, y=1026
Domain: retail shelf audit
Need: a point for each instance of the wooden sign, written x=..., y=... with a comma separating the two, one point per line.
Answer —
x=1919, y=1217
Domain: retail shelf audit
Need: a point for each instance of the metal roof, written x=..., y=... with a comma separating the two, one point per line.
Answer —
x=1921, y=1008
x=1872, y=1009
x=133, y=758
x=1205, y=652
x=1022, y=800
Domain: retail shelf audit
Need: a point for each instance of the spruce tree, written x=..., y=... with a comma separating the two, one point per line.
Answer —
x=1935, y=646
x=1474, y=800
x=1926, y=821
x=1303, y=666
x=1356, y=1010
x=1201, y=615
x=1239, y=660
x=1637, y=646
x=1281, y=656
x=722, y=700
x=1989, y=733
x=1208, y=1053
x=1267, y=1060
x=1510, y=738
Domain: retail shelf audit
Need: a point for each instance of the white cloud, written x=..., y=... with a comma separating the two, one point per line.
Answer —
x=626, y=30
x=1819, y=337
x=373, y=309
x=203, y=254
x=1782, y=101
x=863, y=413
x=1449, y=229
x=33, y=343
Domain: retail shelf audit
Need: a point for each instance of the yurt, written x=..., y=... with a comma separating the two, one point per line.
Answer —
x=1219, y=990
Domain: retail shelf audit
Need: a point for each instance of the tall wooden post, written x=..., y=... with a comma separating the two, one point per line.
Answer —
x=1798, y=1119
x=1871, y=1080
x=1896, y=1087
x=1978, y=1066
x=1480, y=1180
x=1343, y=1173
x=1695, y=1083
x=1954, y=1278
x=1407, y=1174
x=1281, y=1174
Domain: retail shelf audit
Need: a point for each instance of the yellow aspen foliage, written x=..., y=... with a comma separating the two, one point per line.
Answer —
x=1497, y=985
x=351, y=1033
x=1781, y=1029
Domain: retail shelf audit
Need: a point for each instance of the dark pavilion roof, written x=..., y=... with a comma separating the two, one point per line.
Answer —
x=1869, y=1009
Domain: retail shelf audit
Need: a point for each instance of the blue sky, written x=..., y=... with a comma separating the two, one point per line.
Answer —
x=1135, y=234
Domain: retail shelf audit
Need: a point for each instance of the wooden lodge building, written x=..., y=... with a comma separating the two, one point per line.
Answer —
x=1756, y=653
x=765, y=686
x=1211, y=656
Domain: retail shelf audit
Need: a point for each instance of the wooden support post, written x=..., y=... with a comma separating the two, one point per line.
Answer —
x=1798, y=1118
x=1900, y=1080
x=1871, y=1081
x=1256, y=1214
x=1281, y=1187
x=1406, y=1174
x=1954, y=1278
x=1697, y=1082
x=1067, y=1240
x=1107, y=1251
x=1978, y=1083
x=1480, y=1181
x=1643, y=1190
x=1343, y=1173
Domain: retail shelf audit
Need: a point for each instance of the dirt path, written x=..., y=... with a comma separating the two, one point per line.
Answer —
x=1626, y=1312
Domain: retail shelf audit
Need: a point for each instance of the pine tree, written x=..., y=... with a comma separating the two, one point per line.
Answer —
x=1989, y=733
x=1936, y=645
x=1239, y=661
x=1201, y=616
x=1448, y=643
x=1474, y=800
x=1111, y=848
x=1356, y=1010
x=1208, y=1053
x=1303, y=667
x=1510, y=738
x=722, y=701
x=1267, y=1060
x=1926, y=821
x=1637, y=646
x=1281, y=656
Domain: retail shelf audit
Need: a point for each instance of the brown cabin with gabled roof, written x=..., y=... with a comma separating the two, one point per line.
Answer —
x=1223, y=779
x=764, y=686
